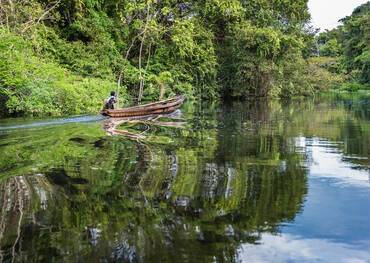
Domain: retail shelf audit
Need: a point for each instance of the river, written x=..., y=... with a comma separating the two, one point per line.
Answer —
x=262, y=181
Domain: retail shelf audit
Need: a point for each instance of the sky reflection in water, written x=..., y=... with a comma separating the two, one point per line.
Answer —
x=333, y=226
x=289, y=248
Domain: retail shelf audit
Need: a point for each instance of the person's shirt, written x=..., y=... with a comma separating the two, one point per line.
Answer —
x=111, y=99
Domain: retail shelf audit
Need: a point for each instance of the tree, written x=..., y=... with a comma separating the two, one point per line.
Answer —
x=355, y=41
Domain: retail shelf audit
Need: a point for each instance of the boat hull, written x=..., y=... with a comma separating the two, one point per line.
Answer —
x=155, y=108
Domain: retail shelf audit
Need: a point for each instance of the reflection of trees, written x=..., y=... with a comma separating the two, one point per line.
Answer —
x=342, y=119
x=194, y=196
x=28, y=150
x=269, y=170
x=19, y=195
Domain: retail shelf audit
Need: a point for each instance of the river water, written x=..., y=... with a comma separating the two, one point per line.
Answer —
x=245, y=182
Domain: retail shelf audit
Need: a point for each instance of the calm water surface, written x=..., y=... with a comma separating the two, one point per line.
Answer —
x=250, y=182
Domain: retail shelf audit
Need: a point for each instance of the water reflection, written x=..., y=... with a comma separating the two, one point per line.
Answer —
x=235, y=175
x=289, y=248
x=329, y=163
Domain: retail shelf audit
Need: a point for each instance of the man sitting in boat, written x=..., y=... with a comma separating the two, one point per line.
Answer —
x=109, y=103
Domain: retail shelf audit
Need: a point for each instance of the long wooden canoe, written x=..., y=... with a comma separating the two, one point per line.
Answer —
x=159, y=107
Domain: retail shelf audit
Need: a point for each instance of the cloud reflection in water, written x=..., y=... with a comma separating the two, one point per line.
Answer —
x=291, y=248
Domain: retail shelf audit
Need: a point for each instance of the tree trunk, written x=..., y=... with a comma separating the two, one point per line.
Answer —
x=118, y=87
x=141, y=85
x=162, y=90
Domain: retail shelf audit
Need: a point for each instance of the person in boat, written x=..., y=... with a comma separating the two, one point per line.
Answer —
x=109, y=103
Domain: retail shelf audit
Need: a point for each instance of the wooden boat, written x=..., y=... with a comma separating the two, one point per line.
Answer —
x=159, y=107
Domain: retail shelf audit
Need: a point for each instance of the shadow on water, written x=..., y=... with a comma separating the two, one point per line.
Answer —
x=193, y=194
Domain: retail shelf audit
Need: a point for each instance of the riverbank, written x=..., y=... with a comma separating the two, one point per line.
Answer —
x=61, y=58
x=64, y=58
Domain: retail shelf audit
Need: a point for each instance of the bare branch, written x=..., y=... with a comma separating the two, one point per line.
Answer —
x=30, y=24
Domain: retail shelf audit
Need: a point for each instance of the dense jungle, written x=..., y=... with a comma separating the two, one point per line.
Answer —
x=267, y=159
x=63, y=57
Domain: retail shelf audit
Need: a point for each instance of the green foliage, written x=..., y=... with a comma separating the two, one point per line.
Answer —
x=349, y=44
x=256, y=50
x=356, y=47
x=208, y=48
x=32, y=85
x=322, y=73
x=354, y=87
x=262, y=62
x=330, y=49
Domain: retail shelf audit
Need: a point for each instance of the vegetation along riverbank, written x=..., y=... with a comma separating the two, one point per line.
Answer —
x=62, y=57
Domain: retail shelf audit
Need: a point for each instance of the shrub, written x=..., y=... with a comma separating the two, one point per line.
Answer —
x=354, y=86
x=30, y=85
